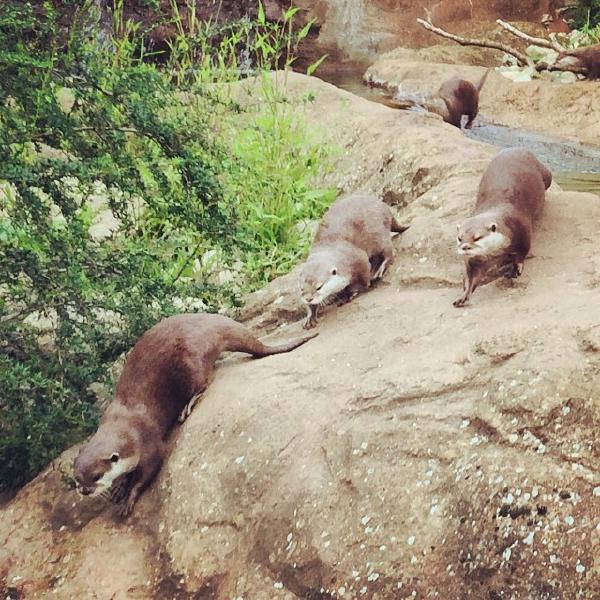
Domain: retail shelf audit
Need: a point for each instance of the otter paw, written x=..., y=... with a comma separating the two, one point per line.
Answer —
x=309, y=323
x=460, y=302
x=510, y=272
x=118, y=492
x=126, y=508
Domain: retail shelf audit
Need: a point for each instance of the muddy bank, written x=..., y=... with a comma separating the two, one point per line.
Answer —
x=411, y=450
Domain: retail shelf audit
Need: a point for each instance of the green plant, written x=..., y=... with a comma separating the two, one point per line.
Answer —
x=98, y=295
x=587, y=16
x=179, y=167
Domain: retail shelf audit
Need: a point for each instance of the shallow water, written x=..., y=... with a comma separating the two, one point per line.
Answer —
x=575, y=166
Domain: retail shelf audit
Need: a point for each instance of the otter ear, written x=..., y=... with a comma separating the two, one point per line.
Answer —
x=334, y=271
x=114, y=457
x=458, y=227
x=492, y=227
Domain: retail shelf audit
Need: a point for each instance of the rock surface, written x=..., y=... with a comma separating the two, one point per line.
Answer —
x=359, y=30
x=347, y=30
x=412, y=450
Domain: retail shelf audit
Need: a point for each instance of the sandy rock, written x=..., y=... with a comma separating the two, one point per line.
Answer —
x=411, y=450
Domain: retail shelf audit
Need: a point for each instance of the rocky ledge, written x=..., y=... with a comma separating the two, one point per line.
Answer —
x=412, y=450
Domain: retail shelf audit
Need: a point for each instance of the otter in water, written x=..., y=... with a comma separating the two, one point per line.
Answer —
x=498, y=234
x=165, y=373
x=352, y=248
x=456, y=97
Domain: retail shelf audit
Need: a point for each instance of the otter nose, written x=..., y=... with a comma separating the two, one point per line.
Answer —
x=466, y=246
x=85, y=490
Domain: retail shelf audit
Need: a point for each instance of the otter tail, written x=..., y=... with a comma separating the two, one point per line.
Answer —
x=246, y=342
x=267, y=350
x=482, y=80
x=398, y=227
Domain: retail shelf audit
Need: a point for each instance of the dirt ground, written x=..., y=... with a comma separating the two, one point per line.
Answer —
x=412, y=450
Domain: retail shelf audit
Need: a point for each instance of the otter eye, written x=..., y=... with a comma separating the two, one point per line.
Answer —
x=459, y=238
x=334, y=271
x=114, y=457
x=97, y=477
x=477, y=238
x=493, y=227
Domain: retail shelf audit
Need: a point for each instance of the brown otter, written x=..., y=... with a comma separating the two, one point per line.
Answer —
x=460, y=97
x=352, y=248
x=456, y=97
x=587, y=58
x=498, y=234
x=167, y=370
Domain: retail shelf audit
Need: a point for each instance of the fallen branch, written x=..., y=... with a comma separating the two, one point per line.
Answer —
x=584, y=61
x=523, y=59
x=552, y=44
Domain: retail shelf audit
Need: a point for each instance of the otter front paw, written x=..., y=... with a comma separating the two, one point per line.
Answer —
x=311, y=316
x=512, y=271
x=310, y=322
x=460, y=302
x=119, y=491
x=126, y=508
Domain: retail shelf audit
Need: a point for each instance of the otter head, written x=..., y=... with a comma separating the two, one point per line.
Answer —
x=480, y=236
x=108, y=455
x=321, y=278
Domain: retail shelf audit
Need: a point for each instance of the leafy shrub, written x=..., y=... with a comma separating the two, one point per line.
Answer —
x=587, y=15
x=179, y=170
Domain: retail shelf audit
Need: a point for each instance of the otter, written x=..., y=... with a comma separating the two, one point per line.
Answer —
x=164, y=375
x=352, y=248
x=587, y=58
x=460, y=97
x=498, y=234
x=455, y=97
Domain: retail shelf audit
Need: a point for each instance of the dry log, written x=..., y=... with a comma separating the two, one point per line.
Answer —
x=585, y=61
x=522, y=58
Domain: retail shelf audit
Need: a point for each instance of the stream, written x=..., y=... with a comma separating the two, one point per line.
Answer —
x=574, y=165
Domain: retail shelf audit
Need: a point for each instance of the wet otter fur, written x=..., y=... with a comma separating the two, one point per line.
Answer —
x=165, y=373
x=352, y=248
x=498, y=235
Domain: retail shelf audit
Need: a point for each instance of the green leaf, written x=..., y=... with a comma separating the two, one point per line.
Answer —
x=261, y=18
x=289, y=13
x=304, y=31
x=312, y=68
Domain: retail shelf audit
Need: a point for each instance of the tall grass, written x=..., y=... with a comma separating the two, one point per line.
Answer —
x=276, y=156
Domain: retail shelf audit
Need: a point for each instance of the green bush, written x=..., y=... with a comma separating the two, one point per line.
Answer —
x=587, y=14
x=180, y=169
